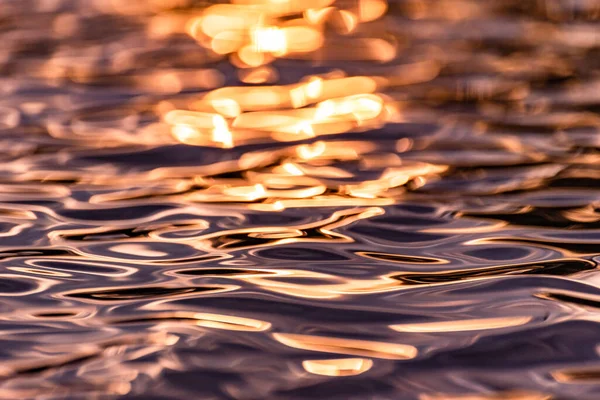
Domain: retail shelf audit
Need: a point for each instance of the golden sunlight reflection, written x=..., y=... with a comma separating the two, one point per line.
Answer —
x=365, y=348
x=333, y=287
x=229, y=322
x=257, y=199
x=260, y=75
x=338, y=367
x=321, y=231
x=463, y=325
x=138, y=250
x=243, y=115
x=257, y=32
x=206, y=320
x=303, y=175
x=577, y=376
x=503, y=395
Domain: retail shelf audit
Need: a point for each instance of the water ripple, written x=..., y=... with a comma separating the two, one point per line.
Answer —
x=294, y=199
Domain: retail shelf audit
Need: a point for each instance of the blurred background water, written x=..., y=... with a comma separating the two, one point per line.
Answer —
x=299, y=199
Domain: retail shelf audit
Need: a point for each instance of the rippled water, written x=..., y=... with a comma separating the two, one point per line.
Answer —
x=428, y=229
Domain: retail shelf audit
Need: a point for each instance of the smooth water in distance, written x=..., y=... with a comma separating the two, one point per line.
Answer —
x=300, y=199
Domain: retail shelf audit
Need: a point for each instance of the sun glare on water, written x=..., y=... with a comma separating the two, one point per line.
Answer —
x=254, y=33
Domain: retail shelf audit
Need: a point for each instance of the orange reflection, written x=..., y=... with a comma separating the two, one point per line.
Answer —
x=507, y=395
x=263, y=74
x=370, y=10
x=230, y=322
x=276, y=235
x=339, y=367
x=390, y=351
x=284, y=113
x=463, y=325
x=256, y=32
x=253, y=33
x=577, y=375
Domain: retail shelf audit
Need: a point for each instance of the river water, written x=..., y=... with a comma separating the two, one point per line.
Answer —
x=300, y=199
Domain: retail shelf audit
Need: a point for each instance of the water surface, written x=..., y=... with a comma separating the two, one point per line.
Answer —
x=394, y=203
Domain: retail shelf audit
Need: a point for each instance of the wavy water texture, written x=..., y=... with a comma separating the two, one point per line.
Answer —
x=299, y=199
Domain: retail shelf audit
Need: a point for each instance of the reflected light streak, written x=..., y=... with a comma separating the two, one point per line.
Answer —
x=248, y=28
x=505, y=395
x=366, y=348
x=257, y=32
x=339, y=367
x=269, y=40
x=254, y=33
x=463, y=325
x=229, y=322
